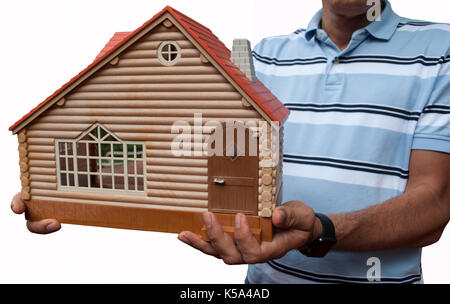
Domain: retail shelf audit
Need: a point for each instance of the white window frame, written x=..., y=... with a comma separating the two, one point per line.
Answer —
x=172, y=61
x=125, y=158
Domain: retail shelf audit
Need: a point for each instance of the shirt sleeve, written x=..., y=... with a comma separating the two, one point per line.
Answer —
x=433, y=128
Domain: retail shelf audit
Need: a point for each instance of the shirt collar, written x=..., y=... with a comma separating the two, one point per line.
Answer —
x=386, y=27
x=313, y=25
x=382, y=29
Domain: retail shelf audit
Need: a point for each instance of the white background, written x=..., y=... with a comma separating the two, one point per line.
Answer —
x=44, y=44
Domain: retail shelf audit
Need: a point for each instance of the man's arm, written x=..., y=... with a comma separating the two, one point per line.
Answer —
x=416, y=218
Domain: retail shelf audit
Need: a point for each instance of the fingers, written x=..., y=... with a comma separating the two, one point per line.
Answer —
x=220, y=245
x=294, y=215
x=44, y=226
x=40, y=227
x=196, y=242
x=252, y=252
x=245, y=249
x=284, y=241
x=221, y=241
x=17, y=204
x=246, y=242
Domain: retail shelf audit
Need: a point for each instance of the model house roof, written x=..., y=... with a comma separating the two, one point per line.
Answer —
x=214, y=50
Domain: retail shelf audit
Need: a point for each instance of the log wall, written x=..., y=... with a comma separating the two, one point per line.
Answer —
x=138, y=99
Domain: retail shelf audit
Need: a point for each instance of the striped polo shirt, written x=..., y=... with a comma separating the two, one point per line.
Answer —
x=355, y=116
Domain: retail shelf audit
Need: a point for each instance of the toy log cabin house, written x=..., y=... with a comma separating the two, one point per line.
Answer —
x=99, y=150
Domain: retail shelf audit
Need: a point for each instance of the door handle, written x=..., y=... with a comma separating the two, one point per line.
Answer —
x=219, y=181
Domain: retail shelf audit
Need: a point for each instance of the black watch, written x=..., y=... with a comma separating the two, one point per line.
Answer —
x=320, y=246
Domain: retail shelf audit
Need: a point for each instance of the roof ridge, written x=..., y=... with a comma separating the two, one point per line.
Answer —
x=266, y=101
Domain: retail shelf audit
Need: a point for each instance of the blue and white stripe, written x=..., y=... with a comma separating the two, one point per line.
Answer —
x=365, y=115
x=414, y=26
x=422, y=67
x=345, y=171
x=355, y=117
x=308, y=277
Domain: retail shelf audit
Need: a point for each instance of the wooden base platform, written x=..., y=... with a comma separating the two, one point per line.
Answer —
x=130, y=217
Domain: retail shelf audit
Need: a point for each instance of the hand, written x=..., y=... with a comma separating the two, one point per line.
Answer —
x=295, y=223
x=40, y=227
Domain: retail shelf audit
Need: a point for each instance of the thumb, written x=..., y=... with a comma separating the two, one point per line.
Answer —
x=294, y=215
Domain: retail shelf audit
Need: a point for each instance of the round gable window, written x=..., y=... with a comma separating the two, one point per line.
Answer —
x=169, y=52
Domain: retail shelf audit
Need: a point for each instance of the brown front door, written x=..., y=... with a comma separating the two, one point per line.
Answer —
x=233, y=179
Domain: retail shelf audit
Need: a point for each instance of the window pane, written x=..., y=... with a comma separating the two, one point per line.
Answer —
x=94, y=132
x=62, y=163
x=70, y=161
x=82, y=180
x=139, y=151
x=119, y=182
x=81, y=149
x=71, y=180
x=106, y=165
x=93, y=165
x=118, y=150
x=69, y=148
x=93, y=149
x=131, y=167
x=140, y=184
x=118, y=166
x=62, y=148
x=106, y=150
x=131, y=183
x=102, y=133
x=63, y=179
x=140, y=167
x=82, y=165
x=95, y=181
x=110, y=138
x=107, y=182
x=101, y=165
x=130, y=150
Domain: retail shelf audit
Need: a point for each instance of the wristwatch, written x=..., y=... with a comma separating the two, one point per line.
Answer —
x=320, y=246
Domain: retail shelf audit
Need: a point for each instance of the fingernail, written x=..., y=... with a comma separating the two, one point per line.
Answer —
x=52, y=227
x=183, y=238
x=237, y=223
x=282, y=214
x=207, y=220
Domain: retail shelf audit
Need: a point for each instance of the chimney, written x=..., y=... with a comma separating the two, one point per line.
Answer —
x=241, y=55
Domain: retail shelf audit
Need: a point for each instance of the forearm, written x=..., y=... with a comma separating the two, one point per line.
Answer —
x=414, y=219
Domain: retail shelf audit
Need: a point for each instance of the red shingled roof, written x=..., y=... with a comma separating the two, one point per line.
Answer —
x=215, y=48
x=112, y=44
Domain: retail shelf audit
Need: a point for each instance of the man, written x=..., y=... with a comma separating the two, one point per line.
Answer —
x=367, y=165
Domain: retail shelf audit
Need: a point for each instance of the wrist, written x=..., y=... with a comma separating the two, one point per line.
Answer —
x=323, y=237
x=317, y=229
x=345, y=226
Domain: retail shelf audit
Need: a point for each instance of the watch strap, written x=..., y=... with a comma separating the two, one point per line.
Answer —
x=328, y=232
x=319, y=247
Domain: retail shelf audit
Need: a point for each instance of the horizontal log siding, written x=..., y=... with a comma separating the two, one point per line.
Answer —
x=139, y=99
